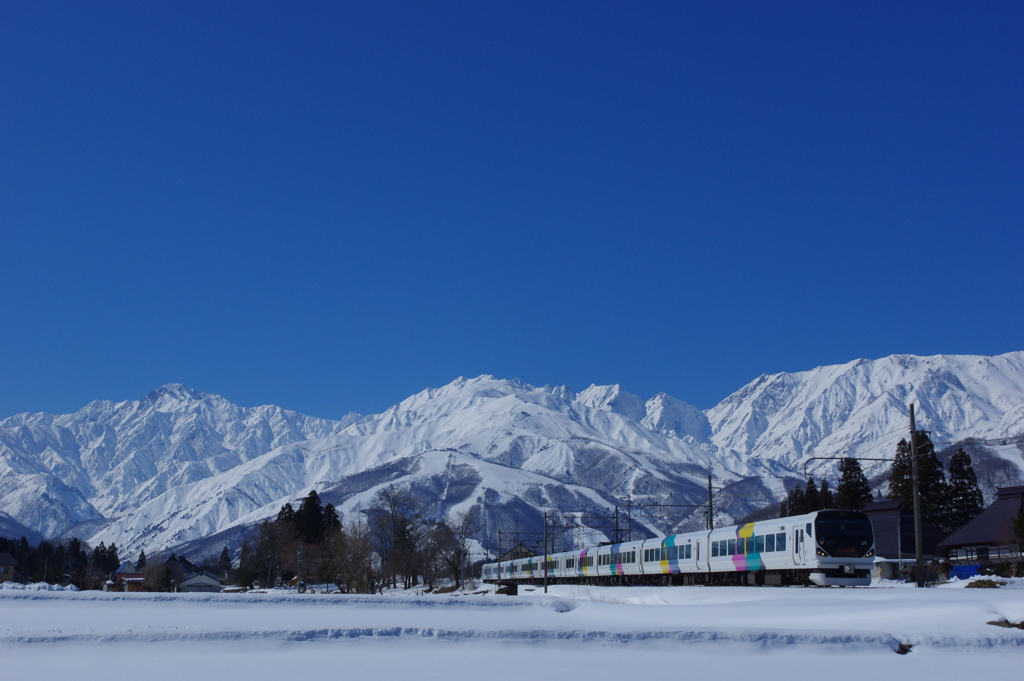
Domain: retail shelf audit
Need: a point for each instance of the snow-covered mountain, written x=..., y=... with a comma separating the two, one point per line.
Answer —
x=862, y=408
x=180, y=467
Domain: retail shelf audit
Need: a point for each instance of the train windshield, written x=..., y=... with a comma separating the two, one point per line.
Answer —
x=846, y=534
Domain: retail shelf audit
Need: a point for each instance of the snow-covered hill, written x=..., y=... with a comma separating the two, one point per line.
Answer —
x=180, y=466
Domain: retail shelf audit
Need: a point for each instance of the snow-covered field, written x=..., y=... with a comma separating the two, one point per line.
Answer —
x=678, y=633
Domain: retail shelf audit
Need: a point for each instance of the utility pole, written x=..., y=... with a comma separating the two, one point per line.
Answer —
x=629, y=518
x=545, y=552
x=711, y=507
x=917, y=500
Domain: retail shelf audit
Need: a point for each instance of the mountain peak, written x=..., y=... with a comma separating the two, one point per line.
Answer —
x=613, y=398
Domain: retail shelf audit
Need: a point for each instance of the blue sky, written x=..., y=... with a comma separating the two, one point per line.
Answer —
x=330, y=206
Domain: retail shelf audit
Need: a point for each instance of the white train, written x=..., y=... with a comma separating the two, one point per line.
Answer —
x=825, y=548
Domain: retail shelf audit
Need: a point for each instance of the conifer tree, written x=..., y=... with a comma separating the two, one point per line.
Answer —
x=1018, y=524
x=812, y=502
x=309, y=519
x=224, y=562
x=286, y=514
x=853, y=490
x=794, y=503
x=141, y=562
x=965, y=498
x=332, y=522
x=932, y=484
x=901, y=483
x=825, y=495
x=935, y=498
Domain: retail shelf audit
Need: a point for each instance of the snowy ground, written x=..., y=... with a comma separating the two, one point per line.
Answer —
x=679, y=631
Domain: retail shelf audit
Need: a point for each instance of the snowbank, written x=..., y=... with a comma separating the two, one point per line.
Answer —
x=37, y=586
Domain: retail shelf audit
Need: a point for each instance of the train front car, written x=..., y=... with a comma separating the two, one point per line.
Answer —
x=844, y=549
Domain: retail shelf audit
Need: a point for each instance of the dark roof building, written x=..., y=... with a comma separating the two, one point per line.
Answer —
x=989, y=536
x=516, y=552
x=892, y=522
x=7, y=567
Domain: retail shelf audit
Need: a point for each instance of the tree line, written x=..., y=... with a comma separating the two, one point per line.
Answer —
x=70, y=562
x=947, y=504
x=391, y=544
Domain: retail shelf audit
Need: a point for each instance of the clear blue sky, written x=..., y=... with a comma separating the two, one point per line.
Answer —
x=330, y=206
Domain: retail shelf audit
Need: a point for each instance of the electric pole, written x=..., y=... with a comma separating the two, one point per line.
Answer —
x=545, y=552
x=917, y=500
x=711, y=507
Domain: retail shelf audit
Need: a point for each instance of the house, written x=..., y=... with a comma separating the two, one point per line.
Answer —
x=892, y=522
x=186, y=576
x=201, y=582
x=989, y=537
x=8, y=567
x=125, y=578
x=516, y=552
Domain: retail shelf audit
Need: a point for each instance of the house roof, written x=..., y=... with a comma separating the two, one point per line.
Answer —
x=993, y=526
x=8, y=559
x=201, y=576
x=888, y=505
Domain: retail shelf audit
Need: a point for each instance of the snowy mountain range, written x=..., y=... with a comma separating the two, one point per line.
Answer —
x=182, y=468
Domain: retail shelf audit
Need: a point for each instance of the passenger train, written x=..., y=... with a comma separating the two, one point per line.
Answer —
x=824, y=548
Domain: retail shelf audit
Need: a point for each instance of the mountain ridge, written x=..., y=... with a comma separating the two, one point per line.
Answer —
x=179, y=464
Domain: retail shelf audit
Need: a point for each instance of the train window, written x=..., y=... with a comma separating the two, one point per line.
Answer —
x=780, y=541
x=809, y=533
x=759, y=544
x=689, y=553
x=714, y=549
x=769, y=543
x=731, y=548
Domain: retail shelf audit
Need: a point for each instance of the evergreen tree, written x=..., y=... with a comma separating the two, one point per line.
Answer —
x=224, y=562
x=332, y=522
x=853, y=490
x=309, y=519
x=286, y=514
x=794, y=503
x=932, y=483
x=935, y=501
x=1018, y=524
x=811, y=499
x=113, y=560
x=99, y=557
x=825, y=495
x=141, y=562
x=965, y=498
x=901, y=483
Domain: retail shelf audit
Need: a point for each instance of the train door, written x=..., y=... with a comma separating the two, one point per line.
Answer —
x=799, y=557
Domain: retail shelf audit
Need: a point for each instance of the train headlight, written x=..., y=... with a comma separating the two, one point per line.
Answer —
x=870, y=553
x=820, y=552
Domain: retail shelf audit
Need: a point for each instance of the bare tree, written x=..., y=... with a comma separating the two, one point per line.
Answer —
x=394, y=523
x=156, y=576
x=455, y=546
x=350, y=561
